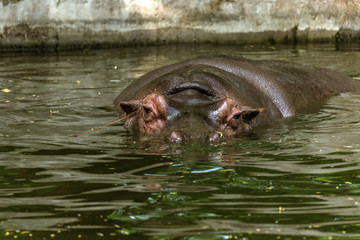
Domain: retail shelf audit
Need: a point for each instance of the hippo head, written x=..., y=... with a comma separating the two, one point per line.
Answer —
x=187, y=111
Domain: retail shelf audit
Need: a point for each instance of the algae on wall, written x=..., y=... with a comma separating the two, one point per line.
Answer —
x=6, y=2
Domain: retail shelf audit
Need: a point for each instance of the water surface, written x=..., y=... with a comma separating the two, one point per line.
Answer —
x=295, y=179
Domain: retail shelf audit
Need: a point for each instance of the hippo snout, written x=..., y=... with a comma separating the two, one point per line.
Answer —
x=178, y=137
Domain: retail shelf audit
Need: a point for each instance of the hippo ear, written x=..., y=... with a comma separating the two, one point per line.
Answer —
x=130, y=107
x=249, y=114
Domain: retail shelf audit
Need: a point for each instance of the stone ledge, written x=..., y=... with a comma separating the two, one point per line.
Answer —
x=106, y=23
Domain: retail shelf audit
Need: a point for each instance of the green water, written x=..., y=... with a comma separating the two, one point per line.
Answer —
x=295, y=179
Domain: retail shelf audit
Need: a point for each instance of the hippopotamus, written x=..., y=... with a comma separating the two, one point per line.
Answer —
x=220, y=96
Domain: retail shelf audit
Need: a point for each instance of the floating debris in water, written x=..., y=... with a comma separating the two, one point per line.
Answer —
x=281, y=209
x=115, y=80
x=6, y=90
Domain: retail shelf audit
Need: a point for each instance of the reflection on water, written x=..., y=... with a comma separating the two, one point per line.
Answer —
x=297, y=178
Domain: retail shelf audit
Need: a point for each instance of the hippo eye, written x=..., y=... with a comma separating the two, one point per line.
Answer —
x=148, y=114
x=147, y=110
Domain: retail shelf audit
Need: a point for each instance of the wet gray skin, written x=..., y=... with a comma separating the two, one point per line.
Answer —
x=216, y=97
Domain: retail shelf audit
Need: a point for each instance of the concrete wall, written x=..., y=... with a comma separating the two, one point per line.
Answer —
x=106, y=23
